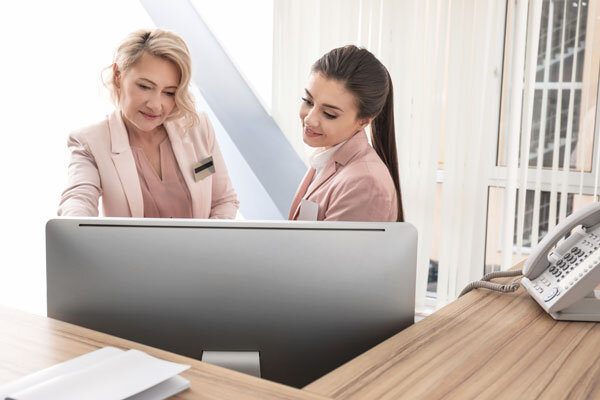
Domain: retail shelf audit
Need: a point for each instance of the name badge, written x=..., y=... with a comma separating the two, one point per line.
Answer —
x=204, y=168
x=309, y=210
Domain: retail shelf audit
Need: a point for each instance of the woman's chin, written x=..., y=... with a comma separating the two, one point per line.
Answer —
x=312, y=141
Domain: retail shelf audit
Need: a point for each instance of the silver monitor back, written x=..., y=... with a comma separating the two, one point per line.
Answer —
x=308, y=296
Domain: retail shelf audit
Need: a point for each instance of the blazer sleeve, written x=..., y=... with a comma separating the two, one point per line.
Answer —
x=80, y=198
x=224, y=202
x=361, y=198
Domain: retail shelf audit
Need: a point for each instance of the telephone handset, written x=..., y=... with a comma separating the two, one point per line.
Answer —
x=563, y=280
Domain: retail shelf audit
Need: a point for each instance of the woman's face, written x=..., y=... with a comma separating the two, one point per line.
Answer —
x=328, y=112
x=147, y=92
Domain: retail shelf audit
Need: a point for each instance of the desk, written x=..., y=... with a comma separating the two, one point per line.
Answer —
x=29, y=343
x=484, y=344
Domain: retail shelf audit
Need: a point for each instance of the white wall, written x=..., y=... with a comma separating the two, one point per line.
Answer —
x=52, y=55
x=245, y=30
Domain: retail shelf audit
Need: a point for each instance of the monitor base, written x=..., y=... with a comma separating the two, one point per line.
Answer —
x=247, y=362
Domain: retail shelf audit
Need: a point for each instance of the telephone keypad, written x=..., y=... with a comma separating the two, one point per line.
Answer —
x=586, y=253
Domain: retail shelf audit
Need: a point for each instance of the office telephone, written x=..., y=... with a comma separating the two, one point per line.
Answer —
x=563, y=281
x=561, y=274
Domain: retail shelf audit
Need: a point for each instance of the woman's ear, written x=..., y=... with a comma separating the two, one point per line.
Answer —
x=363, y=122
x=116, y=75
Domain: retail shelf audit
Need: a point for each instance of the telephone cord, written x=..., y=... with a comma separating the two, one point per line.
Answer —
x=499, y=287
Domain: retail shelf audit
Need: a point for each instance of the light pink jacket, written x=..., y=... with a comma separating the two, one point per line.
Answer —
x=354, y=185
x=102, y=164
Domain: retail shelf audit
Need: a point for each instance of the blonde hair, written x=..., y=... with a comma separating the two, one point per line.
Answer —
x=164, y=44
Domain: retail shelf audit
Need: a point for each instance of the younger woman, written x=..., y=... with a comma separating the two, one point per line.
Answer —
x=349, y=180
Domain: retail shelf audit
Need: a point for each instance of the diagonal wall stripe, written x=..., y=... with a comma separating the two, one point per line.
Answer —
x=257, y=137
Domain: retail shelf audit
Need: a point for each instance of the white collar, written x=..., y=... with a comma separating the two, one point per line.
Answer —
x=320, y=156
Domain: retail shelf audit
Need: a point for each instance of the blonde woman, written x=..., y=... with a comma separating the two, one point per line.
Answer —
x=154, y=156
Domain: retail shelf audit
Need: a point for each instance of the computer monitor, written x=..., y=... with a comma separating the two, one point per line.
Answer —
x=307, y=296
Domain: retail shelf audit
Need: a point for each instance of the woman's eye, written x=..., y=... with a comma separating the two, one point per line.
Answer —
x=329, y=116
x=143, y=86
x=307, y=101
x=170, y=94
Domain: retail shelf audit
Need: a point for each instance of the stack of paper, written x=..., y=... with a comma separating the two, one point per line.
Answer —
x=108, y=373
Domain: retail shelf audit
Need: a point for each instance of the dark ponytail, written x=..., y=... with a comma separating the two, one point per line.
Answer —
x=368, y=79
x=383, y=137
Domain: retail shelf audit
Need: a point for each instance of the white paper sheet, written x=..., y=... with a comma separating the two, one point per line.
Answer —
x=107, y=373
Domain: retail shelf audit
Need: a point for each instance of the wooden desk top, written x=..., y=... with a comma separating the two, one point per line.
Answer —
x=485, y=344
x=29, y=343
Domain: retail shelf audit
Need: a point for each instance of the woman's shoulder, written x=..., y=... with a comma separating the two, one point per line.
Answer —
x=202, y=128
x=92, y=132
x=200, y=134
x=367, y=169
x=367, y=163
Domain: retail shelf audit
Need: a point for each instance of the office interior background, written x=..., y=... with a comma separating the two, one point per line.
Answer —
x=496, y=107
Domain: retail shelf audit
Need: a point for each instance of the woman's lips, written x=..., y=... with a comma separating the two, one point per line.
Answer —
x=151, y=117
x=311, y=133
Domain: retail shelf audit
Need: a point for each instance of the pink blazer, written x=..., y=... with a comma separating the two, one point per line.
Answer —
x=354, y=185
x=102, y=164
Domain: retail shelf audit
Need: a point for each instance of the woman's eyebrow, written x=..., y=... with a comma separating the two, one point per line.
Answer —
x=324, y=105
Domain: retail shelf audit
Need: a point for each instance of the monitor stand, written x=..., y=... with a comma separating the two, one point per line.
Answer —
x=247, y=362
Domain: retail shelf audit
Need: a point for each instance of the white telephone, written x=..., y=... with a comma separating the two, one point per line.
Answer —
x=563, y=280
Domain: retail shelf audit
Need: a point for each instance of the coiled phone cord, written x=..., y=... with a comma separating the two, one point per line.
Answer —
x=499, y=287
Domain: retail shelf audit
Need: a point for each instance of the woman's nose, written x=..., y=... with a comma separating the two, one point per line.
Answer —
x=310, y=119
x=153, y=102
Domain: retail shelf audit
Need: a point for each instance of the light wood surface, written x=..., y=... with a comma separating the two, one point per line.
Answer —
x=29, y=343
x=485, y=345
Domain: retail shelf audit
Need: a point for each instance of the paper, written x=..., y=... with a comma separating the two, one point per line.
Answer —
x=309, y=210
x=108, y=373
x=163, y=390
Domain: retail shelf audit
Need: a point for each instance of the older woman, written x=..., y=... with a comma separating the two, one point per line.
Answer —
x=154, y=156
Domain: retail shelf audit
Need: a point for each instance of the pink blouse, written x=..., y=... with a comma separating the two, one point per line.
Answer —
x=166, y=198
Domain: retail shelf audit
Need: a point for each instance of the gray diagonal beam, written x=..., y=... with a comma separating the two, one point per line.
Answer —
x=257, y=137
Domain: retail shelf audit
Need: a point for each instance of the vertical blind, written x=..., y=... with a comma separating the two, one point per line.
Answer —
x=451, y=62
x=550, y=134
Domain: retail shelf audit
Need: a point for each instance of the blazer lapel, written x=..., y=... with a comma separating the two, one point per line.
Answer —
x=183, y=149
x=307, y=188
x=326, y=173
x=295, y=208
x=340, y=158
x=125, y=164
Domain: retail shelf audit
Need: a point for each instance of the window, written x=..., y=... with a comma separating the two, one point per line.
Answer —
x=562, y=170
